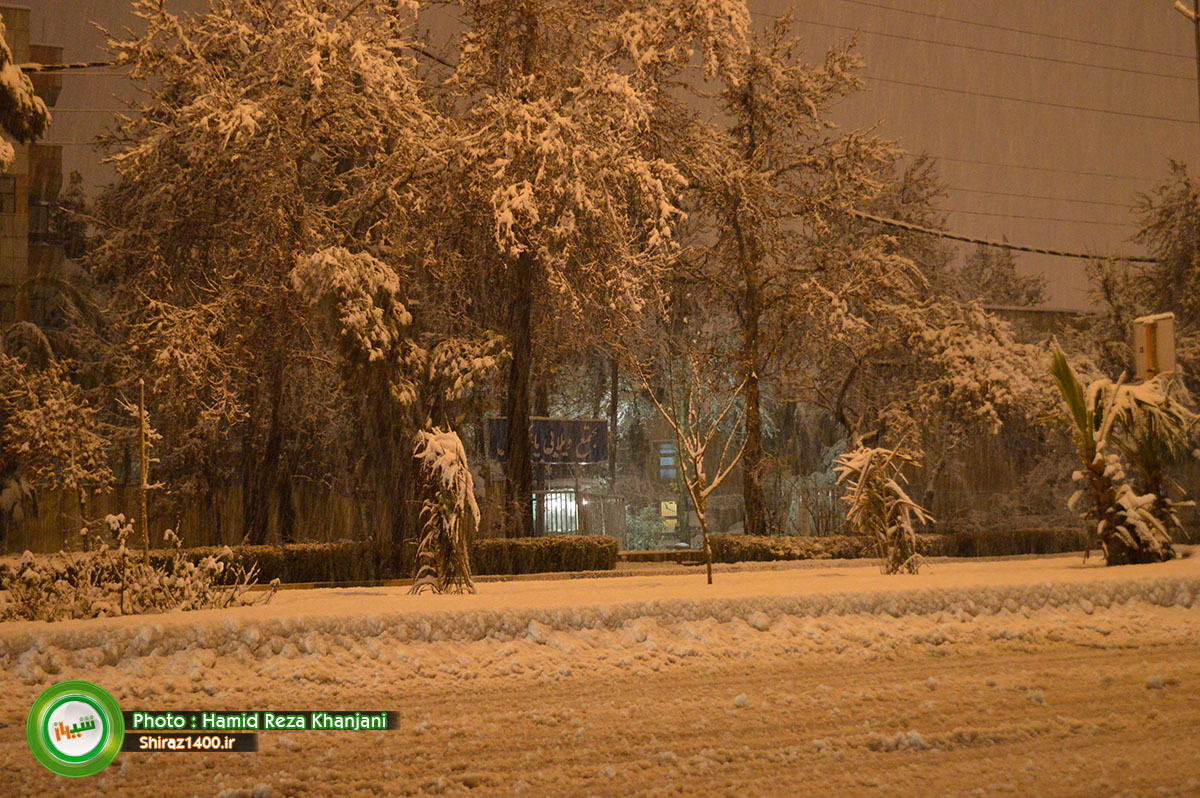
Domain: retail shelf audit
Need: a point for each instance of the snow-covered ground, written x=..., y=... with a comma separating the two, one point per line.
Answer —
x=1026, y=677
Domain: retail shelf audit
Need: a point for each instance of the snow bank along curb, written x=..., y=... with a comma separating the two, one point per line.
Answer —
x=103, y=643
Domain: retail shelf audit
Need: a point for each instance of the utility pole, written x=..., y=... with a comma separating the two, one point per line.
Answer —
x=1193, y=14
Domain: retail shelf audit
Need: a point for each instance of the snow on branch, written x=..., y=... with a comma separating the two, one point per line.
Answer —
x=23, y=115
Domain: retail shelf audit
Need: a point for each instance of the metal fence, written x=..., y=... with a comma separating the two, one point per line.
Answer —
x=563, y=512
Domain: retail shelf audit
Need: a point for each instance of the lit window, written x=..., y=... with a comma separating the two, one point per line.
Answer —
x=668, y=461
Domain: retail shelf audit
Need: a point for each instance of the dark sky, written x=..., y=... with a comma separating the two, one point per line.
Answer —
x=1047, y=116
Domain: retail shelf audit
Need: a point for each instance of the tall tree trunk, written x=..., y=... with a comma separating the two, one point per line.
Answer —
x=518, y=473
x=541, y=407
x=286, y=504
x=612, y=426
x=211, y=514
x=754, y=521
x=249, y=475
x=266, y=475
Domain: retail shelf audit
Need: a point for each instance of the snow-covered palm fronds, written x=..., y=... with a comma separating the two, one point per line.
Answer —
x=449, y=514
x=1154, y=430
x=878, y=505
x=1110, y=418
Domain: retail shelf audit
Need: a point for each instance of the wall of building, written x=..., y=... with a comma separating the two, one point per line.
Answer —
x=29, y=189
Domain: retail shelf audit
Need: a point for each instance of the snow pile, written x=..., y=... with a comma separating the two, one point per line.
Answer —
x=277, y=632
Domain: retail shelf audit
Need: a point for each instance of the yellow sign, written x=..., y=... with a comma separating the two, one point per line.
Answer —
x=668, y=509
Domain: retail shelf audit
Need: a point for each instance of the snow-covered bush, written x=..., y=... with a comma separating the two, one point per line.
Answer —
x=644, y=529
x=449, y=514
x=551, y=553
x=879, y=507
x=1110, y=418
x=107, y=579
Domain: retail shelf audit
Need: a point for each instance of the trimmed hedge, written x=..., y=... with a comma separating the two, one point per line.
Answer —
x=358, y=561
x=540, y=555
x=1007, y=542
x=998, y=543
x=298, y=562
x=761, y=548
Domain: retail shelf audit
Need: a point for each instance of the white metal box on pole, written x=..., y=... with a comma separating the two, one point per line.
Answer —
x=1153, y=345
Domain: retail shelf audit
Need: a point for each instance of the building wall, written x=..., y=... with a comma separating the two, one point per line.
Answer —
x=29, y=189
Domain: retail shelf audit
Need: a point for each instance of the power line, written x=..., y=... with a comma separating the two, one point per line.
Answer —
x=78, y=65
x=1034, y=218
x=916, y=228
x=994, y=51
x=1060, y=170
x=1040, y=34
x=1068, y=106
x=1124, y=205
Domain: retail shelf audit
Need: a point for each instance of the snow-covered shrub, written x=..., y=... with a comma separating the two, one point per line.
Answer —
x=107, y=579
x=1109, y=418
x=449, y=514
x=879, y=507
x=552, y=553
x=644, y=529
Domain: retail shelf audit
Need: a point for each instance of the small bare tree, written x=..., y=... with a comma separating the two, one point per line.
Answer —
x=696, y=397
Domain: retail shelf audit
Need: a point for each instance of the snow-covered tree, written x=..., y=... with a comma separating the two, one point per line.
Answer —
x=50, y=436
x=414, y=382
x=795, y=272
x=266, y=133
x=920, y=358
x=1170, y=232
x=23, y=115
x=561, y=205
x=1126, y=522
x=989, y=275
x=1155, y=431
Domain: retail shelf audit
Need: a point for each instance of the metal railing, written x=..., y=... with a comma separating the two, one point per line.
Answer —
x=563, y=512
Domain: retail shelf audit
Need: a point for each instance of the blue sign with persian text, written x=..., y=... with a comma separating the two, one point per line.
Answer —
x=555, y=440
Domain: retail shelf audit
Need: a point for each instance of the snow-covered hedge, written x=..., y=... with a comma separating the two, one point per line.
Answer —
x=356, y=561
x=538, y=555
x=359, y=562
x=1006, y=542
x=758, y=548
x=992, y=543
x=350, y=561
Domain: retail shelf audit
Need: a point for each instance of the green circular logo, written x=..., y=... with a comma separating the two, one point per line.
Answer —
x=75, y=729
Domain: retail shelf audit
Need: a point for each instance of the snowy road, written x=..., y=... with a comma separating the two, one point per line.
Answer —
x=1035, y=677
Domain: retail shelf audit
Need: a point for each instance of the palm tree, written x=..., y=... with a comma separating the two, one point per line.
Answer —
x=1144, y=424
